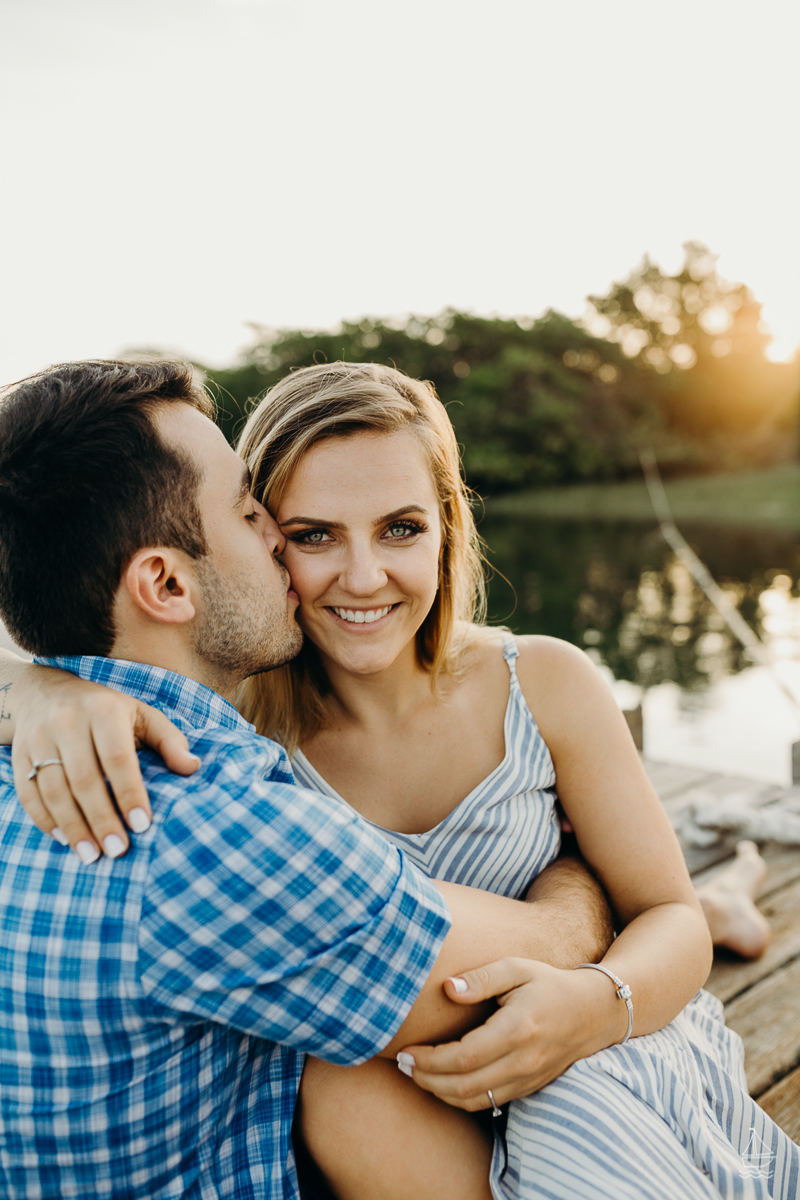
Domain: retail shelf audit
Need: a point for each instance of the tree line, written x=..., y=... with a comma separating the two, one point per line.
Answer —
x=676, y=362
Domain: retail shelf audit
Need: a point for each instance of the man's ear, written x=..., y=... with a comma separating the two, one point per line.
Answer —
x=160, y=583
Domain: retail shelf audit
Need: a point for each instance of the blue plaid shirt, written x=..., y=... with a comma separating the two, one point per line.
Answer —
x=154, y=1011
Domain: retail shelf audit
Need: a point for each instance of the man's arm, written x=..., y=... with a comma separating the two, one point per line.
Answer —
x=93, y=732
x=564, y=920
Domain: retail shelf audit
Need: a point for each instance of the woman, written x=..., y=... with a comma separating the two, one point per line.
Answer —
x=452, y=739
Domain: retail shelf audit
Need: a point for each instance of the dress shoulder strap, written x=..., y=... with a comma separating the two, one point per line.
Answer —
x=510, y=651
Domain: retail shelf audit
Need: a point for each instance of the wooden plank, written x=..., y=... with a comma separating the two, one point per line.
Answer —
x=678, y=787
x=731, y=976
x=700, y=858
x=783, y=868
x=669, y=779
x=782, y=1103
x=767, y=1018
x=701, y=877
x=761, y=996
x=791, y=798
x=749, y=791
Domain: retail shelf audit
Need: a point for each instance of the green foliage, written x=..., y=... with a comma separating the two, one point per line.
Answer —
x=676, y=362
x=704, y=337
x=531, y=405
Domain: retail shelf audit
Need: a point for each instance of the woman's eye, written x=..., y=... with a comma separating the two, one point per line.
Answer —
x=404, y=529
x=253, y=516
x=310, y=537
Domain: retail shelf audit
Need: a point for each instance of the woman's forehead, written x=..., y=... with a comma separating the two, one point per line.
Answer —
x=366, y=466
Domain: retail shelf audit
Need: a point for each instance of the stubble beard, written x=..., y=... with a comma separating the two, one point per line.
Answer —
x=244, y=629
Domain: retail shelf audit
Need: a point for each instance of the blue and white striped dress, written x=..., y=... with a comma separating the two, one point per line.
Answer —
x=665, y=1117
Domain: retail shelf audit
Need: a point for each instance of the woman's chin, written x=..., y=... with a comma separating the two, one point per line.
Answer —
x=363, y=660
x=360, y=655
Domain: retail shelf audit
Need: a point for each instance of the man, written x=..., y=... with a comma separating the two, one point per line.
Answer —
x=158, y=1008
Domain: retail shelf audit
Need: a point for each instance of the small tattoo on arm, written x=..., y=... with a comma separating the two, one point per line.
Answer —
x=4, y=716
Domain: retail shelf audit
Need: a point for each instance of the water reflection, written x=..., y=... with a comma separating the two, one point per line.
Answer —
x=617, y=590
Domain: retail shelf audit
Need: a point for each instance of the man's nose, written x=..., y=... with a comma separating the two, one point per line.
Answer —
x=272, y=534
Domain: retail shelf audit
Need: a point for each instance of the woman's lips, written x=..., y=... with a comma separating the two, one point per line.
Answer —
x=361, y=619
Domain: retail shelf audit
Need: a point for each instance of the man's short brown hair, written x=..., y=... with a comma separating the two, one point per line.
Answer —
x=86, y=482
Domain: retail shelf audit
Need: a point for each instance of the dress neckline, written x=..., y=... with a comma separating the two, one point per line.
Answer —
x=514, y=695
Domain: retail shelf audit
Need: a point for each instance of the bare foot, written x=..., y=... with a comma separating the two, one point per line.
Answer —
x=727, y=902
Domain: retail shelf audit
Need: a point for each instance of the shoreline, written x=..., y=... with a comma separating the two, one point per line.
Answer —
x=768, y=499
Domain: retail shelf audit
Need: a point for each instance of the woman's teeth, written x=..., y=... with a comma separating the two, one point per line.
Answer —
x=361, y=617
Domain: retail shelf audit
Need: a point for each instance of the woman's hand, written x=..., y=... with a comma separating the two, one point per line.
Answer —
x=94, y=732
x=547, y=1019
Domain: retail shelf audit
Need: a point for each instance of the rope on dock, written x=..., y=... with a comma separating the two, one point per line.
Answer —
x=703, y=822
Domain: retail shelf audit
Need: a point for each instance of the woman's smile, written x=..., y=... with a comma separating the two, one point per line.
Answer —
x=364, y=554
x=361, y=620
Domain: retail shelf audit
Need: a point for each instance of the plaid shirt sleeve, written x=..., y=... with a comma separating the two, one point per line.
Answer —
x=278, y=911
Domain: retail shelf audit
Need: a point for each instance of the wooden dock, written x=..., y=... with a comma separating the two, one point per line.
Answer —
x=761, y=998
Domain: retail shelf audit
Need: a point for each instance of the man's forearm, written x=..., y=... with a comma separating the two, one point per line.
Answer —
x=564, y=920
x=573, y=921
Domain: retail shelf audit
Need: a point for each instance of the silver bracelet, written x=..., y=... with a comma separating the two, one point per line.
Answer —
x=623, y=991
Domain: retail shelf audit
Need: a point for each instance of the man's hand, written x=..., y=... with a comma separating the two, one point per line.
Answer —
x=547, y=1019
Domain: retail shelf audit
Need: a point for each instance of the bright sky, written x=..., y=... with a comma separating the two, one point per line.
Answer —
x=173, y=169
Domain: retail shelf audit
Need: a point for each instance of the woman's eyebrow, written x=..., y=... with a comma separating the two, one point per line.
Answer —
x=315, y=521
x=401, y=512
x=312, y=521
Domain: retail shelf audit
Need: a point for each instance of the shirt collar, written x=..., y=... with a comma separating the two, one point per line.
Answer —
x=199, y=705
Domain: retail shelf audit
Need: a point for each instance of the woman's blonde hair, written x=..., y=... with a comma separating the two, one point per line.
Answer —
x=339, y=400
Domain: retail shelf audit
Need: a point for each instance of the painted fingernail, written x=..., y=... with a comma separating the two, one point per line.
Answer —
x=59, y=837
x=87, y=853
x=460, y=985
x=404, y=1067
x=113, y=845
x=406, y=1058
x=138, y=820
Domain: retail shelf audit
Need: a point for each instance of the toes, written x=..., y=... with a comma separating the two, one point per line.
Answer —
x=748, y=848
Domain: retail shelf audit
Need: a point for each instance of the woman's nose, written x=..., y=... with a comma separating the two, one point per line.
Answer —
x=364, y=574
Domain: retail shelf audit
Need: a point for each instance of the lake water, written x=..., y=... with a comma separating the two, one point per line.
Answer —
x=616, y=590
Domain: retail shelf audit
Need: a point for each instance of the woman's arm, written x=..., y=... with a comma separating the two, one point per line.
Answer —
x=564, y=920
x=549, y=1018
x=664, y=951
x=93, y=731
